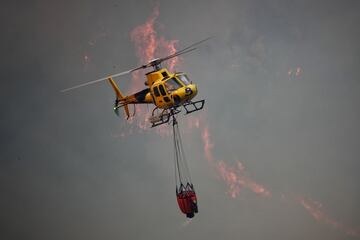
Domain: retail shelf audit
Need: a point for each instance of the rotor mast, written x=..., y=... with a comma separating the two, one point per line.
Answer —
x=156, y=64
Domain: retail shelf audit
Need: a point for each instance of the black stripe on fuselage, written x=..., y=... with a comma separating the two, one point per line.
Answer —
x=140, y=96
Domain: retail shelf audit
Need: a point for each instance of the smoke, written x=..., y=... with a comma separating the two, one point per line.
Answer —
x=63, y=177
x=236, y=178
x=207, y=144
x=148, y=45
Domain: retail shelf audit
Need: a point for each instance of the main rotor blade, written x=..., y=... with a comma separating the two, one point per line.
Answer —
x=177, y=54
x=99, y=80
x=184, y=50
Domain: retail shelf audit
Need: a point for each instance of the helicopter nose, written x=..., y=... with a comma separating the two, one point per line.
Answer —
x=193, y=89
x=185, y=94
x=190, y=91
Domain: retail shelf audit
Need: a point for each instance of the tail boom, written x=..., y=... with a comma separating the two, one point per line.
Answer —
x=123, y=101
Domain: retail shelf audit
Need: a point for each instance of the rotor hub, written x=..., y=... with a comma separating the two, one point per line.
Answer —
x=156, y=64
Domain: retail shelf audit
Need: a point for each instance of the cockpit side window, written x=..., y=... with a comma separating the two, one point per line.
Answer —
x=172, y=84
x=156, y=91
x=183, y=78
x=162, y=90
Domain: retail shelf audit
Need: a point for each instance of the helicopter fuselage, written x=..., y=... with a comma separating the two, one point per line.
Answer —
x=169, y=90
x=165, y=90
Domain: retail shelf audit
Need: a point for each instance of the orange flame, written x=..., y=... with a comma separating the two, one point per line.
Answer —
x=230, y=177
x=168, y=47
x=315, y=209
x=235, y=178
x=148, y=45
x=144, y=37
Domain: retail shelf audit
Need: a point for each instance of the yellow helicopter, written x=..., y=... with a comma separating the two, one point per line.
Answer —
x=167, y=91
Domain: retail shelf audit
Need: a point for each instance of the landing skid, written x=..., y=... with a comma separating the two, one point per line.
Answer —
x=194, y=106
x=165, y=115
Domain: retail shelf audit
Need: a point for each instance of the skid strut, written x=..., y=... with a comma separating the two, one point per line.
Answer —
x=163, y=117
x=194, y=106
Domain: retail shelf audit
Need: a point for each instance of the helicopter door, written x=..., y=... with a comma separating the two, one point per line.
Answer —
x=164, y=93
x=161, y=97
x=157, y=97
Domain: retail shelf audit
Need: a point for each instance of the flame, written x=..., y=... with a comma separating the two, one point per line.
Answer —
x=147, y=46
x=168, y=47
x=230, y=177
x=144, y=37
x=315, y=209
x=235, y=178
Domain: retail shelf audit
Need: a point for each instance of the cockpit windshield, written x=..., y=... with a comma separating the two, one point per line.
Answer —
x=183, y=78
x=172, y=84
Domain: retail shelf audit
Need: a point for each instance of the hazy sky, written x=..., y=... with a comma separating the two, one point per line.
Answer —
x=282, y=86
